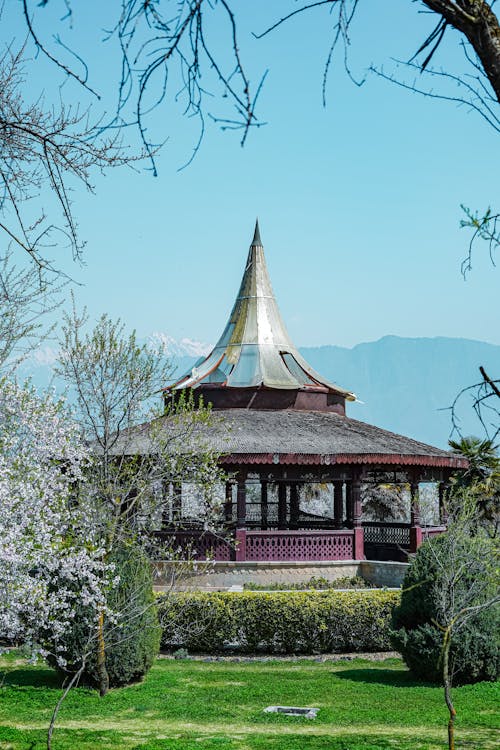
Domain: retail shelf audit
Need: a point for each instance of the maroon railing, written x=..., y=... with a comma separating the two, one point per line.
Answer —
x=389, y=540
x=198, y=545
x=387, y=533
x=299, y=545
x=430, y=531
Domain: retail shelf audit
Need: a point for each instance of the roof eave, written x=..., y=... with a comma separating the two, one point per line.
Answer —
x=329, y=459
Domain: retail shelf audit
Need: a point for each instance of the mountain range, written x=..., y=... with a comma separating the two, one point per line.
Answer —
x=405, y=385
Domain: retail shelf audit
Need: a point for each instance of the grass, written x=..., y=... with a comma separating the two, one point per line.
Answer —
x=194, y=705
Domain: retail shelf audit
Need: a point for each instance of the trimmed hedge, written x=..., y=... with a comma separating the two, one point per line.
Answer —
x=290, y=622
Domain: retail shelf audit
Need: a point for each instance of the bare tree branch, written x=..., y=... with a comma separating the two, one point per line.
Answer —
x=45, y=147
x=484, y=398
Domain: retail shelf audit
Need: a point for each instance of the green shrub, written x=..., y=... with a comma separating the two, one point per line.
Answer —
x=133, y=640
x=277, y=622
x=132, y=644
x=475, y=649
x=318, y=583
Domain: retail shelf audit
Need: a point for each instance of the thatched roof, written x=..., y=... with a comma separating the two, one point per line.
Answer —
x=302, y=437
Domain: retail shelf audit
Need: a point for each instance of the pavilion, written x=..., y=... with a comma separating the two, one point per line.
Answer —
x=298, y=464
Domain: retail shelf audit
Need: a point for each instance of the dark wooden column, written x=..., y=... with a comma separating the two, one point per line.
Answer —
x=356, y=501
x=241, y=502
x=165, y=504
x=415, y=528
x=443, y=489
x=228, y=505
x=294, y=505
x=282, y=505
x=415, y=506
x=176, y=501
x=355, y=513
x=241, y=514
x=338, y=504
x=349, y=510
x=263, y=505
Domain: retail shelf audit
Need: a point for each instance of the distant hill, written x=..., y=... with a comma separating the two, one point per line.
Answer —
x=405, y=385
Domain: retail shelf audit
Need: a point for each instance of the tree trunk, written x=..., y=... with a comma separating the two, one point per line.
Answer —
x=59, y=703
x=476, y=20
x=447, y=690
x=102, y=672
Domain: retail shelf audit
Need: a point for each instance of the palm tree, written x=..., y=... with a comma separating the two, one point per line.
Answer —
x=482, y=477
x=482, y=457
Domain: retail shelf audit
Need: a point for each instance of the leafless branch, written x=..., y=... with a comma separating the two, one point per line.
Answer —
x=27, y=298
x=42, y=147
x=43, y=49
x=484, y=398
x=160, y=43
x=473, y=98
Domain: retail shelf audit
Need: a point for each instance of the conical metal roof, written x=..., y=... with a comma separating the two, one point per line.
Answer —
x=255, y=348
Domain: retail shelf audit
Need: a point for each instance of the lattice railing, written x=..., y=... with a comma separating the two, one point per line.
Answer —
x=300, y=545
x=197, y=545
x=390, y=533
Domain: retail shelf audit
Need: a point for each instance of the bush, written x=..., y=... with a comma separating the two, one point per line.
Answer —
x=318, y=583
x=278, y=622
x=133, y=641
x=475, y=650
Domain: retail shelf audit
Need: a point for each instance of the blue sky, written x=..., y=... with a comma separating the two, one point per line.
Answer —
x=359, y=202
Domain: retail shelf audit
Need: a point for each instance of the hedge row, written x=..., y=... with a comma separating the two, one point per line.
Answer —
x=278, y=622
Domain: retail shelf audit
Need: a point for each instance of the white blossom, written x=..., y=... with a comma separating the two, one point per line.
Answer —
x=51, y=563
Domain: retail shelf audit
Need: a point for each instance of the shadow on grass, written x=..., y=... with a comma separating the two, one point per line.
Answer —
x=266, y=742
x=389, y=677
x=64, y=739
x=29, y=677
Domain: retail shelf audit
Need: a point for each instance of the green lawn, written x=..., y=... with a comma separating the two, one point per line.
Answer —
x=193, y=705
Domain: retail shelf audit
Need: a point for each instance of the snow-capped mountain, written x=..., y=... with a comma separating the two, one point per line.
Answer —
x=178, y=347
x=39, y=364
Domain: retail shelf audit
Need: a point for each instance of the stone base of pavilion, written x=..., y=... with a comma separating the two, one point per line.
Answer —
x=221, y=576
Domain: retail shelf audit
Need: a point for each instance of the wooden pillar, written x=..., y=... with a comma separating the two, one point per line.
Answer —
x=282, y=506
x=228, y=505
x=359, y=536
x=443, y=489
x=176, y=501
x=241, y=513
x=294, y=505
x=348, y=504
x=414, y=507
x=356, y=501
x=241, y=545
x=338, y=504
x=415, y=528
x=165, y=504
x=241, y=502
x=353, y=512
x=263, y=505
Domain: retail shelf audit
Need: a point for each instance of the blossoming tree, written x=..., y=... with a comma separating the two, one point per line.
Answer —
x=50, y=556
